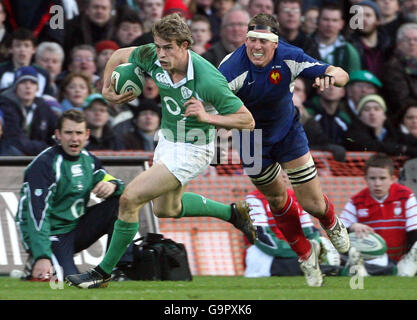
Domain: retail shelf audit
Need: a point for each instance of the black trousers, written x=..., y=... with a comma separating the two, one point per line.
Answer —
x=96, y=222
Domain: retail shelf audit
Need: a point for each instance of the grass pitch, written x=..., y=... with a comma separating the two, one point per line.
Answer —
x=220, y=288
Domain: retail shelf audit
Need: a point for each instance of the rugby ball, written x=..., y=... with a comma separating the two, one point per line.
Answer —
x=128, y=77
x=370, y=246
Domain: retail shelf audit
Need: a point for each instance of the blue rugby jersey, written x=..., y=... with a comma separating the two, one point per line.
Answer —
x=267, y=92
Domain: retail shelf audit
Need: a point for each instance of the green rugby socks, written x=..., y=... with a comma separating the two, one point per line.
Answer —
x=123, y=234
x=195, y=205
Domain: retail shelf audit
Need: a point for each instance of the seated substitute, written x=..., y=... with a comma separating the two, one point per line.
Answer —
x=53, y=218
x=388, y=209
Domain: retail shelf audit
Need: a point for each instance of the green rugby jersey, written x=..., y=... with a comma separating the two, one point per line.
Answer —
x=203, y=81
x=54, y=196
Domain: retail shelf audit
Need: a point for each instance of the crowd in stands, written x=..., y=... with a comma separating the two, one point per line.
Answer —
x=47, y=67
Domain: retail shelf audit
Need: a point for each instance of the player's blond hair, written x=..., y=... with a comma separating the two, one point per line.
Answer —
x=173, y=27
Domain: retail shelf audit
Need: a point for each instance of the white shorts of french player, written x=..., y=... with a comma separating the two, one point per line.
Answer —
x=186, y=161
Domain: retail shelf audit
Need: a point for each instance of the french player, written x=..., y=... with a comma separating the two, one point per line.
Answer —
x=262, y=73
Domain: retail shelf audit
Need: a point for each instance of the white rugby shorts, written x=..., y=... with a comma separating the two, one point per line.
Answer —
x=185, y=161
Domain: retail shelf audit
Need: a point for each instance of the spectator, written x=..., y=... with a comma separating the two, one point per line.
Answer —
x=206, y=8
x=200, y=29
x=83, y=59
x=6, y=147
x=271, y=255
x=373, y=131
x=260, y=6
x=128, y=28
x=30, y=121
x=154, y=8
x=372, y=42
x=102, y=137
x=309, y=21
x=53, y=204
x=289, y=18
x=232, y=35
x=333, y=47
x=74, y=90
x=5, y=36
x=146, y=124
x=151, y=12
x=400, y=80
x=389, y=209
x=222, y=6
x=408, y=127
x=104, y=50
x=92, y=26
x=317, y=138
x=389, y=10
x=50, y=56
x=22, y=49
x=361, y=83
x=327, y=109
x=392, y=18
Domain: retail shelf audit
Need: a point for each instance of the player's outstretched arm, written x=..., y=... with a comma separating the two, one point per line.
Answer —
x=241, y=119
x=118, y=57
x=334, y=76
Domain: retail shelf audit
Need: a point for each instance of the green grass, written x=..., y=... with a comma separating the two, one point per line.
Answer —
x=219, y=288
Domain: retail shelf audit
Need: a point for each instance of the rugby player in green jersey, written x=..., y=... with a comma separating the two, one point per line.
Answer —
x=195, y=99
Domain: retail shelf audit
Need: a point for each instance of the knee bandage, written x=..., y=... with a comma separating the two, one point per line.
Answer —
x=268, y=175
x=302, y=174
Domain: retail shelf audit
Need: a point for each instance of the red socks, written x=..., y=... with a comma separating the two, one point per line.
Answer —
x=328, y=220
x=288, y=221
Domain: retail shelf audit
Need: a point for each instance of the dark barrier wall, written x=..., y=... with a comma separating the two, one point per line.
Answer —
x=12, y=254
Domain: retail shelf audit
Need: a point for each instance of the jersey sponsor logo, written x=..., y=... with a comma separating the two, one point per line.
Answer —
x=38, y=192
x=76, y=170
x=186, y=93
x=363, y=213
x=397, y=208
x=162, y=79
x=275, y=76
